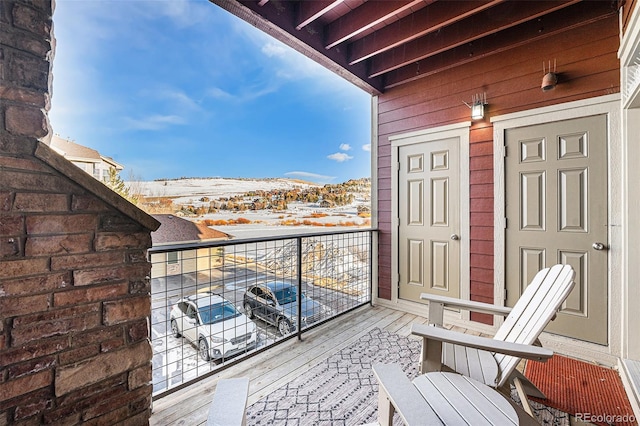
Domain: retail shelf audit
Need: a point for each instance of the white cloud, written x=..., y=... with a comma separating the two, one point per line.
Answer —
x=88, y=37
x=289, y=64
x=313, y=176
x=154, y=122
x=179, y=98
x=272, y=49
x=366, y=147
x=249, y=93
x=345, y=146
x=170, y=99
x=339, y=157
x=217, y=93
x=183, y=13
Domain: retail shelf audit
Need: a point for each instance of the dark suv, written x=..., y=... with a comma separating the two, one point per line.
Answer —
x=277, y=304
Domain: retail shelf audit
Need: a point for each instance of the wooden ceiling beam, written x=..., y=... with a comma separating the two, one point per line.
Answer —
x=498, y=18
x=421, y=23
x=364, y=17
x=309, y=11
x=558, y=22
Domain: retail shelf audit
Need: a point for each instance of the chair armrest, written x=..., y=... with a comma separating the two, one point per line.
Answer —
x=229, y=403
x=508, y=348
x=397, y=393
x=485, y=308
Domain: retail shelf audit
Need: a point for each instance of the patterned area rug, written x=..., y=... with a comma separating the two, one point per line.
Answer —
x=343, y=391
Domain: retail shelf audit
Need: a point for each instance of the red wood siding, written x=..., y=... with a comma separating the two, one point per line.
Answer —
x=587, y=66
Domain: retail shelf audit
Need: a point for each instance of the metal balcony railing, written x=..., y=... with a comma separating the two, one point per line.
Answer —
x=217, y=303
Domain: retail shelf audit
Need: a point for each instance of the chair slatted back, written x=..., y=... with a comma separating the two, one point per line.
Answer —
x=537, y=306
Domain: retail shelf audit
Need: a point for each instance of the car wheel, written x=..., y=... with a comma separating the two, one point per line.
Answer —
x=174, y=328
x=248, y=311
x=284, y=326
x=203, y=348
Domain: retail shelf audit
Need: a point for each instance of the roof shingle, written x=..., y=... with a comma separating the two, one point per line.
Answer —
x=175, y=230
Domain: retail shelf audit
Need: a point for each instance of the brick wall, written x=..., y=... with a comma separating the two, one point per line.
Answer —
x=74, y=287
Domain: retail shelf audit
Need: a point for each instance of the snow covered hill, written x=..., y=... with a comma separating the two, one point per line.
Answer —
x=191, y=190
x=194, y=198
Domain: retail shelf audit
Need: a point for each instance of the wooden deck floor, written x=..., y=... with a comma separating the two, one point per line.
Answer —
x=273, y=368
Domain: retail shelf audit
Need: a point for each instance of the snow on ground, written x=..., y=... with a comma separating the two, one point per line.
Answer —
x=175, y=360
x=261, y=222
x=190, y=190
x=267, y=222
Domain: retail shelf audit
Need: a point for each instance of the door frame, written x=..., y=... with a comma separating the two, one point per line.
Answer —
x=608, y=105
x=460, y=131
x=629, y=53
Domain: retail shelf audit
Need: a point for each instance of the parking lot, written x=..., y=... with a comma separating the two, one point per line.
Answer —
x=175, y=359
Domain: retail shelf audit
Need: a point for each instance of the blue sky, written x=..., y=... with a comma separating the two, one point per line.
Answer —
x=183, y=88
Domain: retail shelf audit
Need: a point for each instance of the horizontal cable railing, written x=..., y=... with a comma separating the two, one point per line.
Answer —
x=216, y=303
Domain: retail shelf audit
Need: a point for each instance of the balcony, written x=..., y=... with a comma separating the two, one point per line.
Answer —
x=327, y=273
x=220, y=304
x=272, y=369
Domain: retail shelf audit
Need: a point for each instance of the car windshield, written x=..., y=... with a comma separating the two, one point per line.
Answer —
x=219, y=312
x=286, y=295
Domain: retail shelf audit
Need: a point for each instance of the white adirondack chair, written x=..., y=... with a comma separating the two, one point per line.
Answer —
x=494, y=361
x=440, y=398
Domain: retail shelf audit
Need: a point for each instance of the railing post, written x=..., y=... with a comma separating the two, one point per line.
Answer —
x=299, y=298
x=371, y=240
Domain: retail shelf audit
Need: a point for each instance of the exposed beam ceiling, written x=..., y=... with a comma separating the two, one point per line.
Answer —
x=498, y=18
x=378, y=44
x=416, y=25
x=309, y=11
x=365, y=17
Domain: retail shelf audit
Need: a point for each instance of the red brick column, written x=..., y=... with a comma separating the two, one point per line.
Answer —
x=74, y=286
x=26, y=54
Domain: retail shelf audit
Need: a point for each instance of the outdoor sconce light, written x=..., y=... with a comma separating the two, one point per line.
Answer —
x=550, y=79
x=478, y=101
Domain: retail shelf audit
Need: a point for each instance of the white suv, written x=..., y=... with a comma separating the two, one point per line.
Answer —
x=213, y=324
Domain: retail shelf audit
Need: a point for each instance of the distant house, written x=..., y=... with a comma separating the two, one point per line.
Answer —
x=175, y=230
x=88, y=159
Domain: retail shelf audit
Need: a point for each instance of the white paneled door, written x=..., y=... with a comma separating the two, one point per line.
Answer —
x=429, y=219
x=556, y=208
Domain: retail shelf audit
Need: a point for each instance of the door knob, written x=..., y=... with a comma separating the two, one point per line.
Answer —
x=597, y=246
x=455, y=237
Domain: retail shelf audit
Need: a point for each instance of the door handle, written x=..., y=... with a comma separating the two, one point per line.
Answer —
x=598, y=246
x=455, y=237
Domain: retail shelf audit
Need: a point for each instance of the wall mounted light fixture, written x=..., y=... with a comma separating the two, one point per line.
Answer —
x=549, y=79
x=478, y=102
